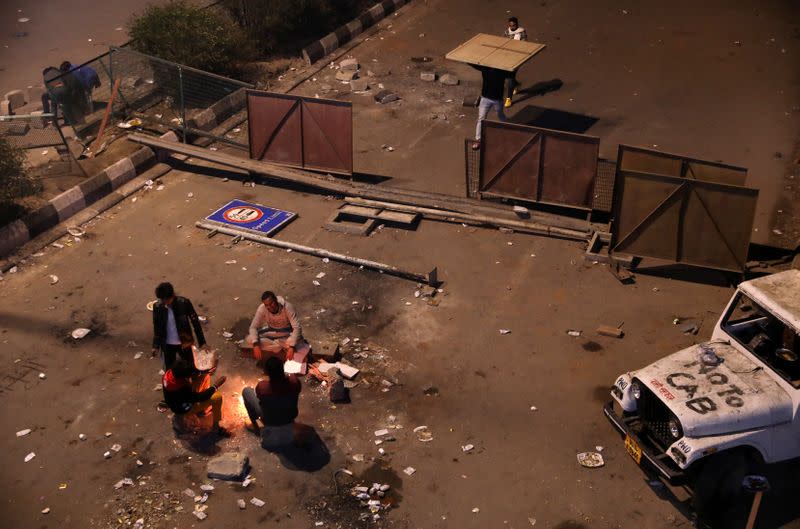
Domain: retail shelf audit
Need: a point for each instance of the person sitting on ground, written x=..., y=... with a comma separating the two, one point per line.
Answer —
x=275, y=329
x=179, y=384
x=274, y=401
x=174, y=318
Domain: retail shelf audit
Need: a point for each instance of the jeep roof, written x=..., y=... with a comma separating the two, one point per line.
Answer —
x=779, y=293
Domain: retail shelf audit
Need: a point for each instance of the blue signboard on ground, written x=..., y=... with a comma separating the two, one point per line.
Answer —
x=252, y=217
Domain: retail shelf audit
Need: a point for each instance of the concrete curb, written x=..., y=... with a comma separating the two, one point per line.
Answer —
x=87, y=214
x=219, y=111
x=73, y=200
x=345, y=34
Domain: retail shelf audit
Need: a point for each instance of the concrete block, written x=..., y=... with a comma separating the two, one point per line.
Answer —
x=328, y=351
x=16, y=98
x=232, y=467
x=379, y=71
x=346, y=75
x=349, y=65
x=359, y=85
x=427, y=76
x=5, y=108
x=17, y=128
x=449, y=79
x=68, y=203
x=386, y=96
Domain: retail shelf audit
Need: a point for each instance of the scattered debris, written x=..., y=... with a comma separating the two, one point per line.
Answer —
x=427, y=76
x=505, y=331
x=23, y=433
x=574, y=333
x=257, y=502
x=30, y=456
x=116, y=447
x=409, y=471
x=590, y=459
x=381, y=432
x=46, y=510
x=467, y=447
x=449, y=79
x=82, y=436
x=386, y=96
x=476, y=510
x=107, y=454
x=80, y=333
x=689, y=328
x=614, y=332
x=76, y=232
x=42, y=376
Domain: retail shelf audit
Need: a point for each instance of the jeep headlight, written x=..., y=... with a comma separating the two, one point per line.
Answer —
x=675, y=428
x=636, y=390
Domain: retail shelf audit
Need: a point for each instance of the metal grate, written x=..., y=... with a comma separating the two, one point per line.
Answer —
x=603, y=198
x=655, y=417
x=472, y=158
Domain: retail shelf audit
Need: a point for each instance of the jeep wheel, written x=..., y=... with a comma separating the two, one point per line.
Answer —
x=718, y=497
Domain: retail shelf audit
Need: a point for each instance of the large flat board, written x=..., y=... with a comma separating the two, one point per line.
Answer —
x=495, y=52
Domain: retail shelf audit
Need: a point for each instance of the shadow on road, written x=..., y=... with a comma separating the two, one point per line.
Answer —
x=308, y=453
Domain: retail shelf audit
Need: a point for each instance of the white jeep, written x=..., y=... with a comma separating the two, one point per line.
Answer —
x=716, y=411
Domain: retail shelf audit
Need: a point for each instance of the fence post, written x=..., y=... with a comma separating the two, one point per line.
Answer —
x=110, y=73
x=183, y=106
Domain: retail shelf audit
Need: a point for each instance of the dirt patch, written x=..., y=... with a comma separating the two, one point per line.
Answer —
x=592, y=347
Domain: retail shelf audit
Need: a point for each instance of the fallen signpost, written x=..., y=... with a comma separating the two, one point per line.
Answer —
x=430, y=278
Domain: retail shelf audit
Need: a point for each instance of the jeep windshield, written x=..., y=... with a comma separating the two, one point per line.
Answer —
x=764, y=335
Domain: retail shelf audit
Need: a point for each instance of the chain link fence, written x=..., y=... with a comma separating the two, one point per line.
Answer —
x=31, y=131
x=151, y=93
x=190, y=101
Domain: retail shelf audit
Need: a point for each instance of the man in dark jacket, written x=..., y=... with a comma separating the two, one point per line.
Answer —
x=89, y=81
x=274, y=401
x=182, y=398
x=65, y=91
x=492, y=89
x=174, y=318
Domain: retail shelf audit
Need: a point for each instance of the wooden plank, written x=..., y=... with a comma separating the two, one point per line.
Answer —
x=495, y=52
x=461, y=205
x=379, y=214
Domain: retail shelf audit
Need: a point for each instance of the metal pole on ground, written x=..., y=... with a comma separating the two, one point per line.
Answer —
x=429, y=278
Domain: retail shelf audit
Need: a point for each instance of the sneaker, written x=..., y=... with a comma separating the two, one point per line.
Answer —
x=508, y=102
x=476, y=145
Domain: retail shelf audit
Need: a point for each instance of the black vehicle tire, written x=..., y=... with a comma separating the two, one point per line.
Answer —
x=718, y=497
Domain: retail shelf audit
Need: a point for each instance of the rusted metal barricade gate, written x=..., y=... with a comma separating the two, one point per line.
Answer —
x=305, y=132
x=537, y=165
x=682, y=210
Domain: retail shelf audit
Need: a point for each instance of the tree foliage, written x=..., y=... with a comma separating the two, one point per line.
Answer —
x=193, y=36
x=14, y=179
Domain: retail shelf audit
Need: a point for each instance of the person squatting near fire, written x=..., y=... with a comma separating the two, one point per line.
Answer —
x=174, y=318
x=275, y=330
x=274, y=402
x=181, y=383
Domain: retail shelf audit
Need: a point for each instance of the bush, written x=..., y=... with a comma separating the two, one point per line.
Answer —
x=190, y=35
x=286, y=25
x=14, y=179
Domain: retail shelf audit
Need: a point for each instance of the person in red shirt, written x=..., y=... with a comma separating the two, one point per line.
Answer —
x=181, y=397
x=274, y=401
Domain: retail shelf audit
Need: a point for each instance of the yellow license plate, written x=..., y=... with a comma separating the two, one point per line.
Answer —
x=633, y=449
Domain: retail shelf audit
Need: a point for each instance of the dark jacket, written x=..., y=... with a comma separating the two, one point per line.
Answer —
x=185, y=319
x=493, y=82
x=278, y=400
x=179, y=395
